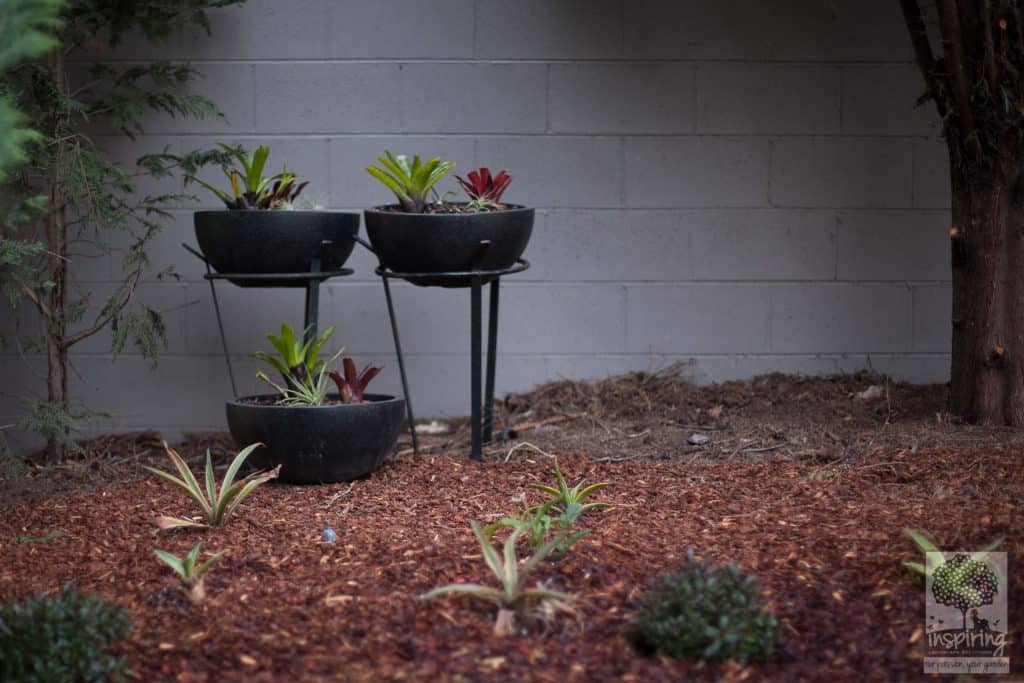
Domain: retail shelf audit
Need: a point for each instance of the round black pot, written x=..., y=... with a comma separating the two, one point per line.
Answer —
x=263, y=242
x=447, y=242
x=318, y=444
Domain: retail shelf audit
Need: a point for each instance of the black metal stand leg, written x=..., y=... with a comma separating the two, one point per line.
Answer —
x=401, y=367
x=492, y=349
x=475, y=352
x=223, y=338
x=312, y=302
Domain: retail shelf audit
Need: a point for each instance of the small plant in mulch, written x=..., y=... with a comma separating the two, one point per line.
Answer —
x=190, y=571
x=925, y=545
x=63, y=637
x=513, y=594
x=704, y=611
x=557, y=515
x=217, y=505
x=250, y=189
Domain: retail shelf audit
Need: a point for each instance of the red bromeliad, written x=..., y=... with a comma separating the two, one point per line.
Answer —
x=353, y=384
x=483, y=188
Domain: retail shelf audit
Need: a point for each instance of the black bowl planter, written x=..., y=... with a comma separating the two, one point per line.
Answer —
x=447, y=242
x=261, y=242
x=318, y=444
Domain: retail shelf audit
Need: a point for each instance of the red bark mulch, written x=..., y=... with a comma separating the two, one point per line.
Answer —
x=824, y=539
x=807, y=483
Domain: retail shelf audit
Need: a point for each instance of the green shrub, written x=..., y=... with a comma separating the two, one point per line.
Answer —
x=61, y=638
x=704, y=611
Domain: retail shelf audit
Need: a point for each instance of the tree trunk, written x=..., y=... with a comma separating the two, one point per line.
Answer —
x=56, y=297
x=987, y=377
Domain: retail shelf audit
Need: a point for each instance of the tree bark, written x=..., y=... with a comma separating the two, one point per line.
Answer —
x=56, y=240
x=987, y=377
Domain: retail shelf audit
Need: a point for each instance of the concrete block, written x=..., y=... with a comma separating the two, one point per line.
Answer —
x=838, y=318
x=390, y=29
x=248, y=314
x=762, y=245
x=610, y=245
x=761, y=98
x=696, y=172
x=561, y=318
x=259, y=29
x=139, y=395
x=474, y=98
x=931, y=176
x=915, y=368
x=564, y=172
x=933, y=318
x=717, y=368
x=430, y=320
x=893, y=245
x=688, y=319
x=352, y=186
x=834, y=173
x=803, y=30
x=879, y=99
x=335, y=97
x=539, y=29
x=622, y=98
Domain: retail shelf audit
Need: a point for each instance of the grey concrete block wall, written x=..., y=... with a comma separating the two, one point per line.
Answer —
x=718, y=183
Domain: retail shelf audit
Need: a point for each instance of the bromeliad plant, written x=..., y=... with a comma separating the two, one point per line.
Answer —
x=411, y=181
x=190, y=571
x=249, y=188
x=352, y=385
x=513, y=593
x=483, y=189
x=297, y=360
x=559, y=513
x=306, y=375
x=217, y=505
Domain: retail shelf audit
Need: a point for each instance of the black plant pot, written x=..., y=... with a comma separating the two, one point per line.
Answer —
x=447, y=242
x=264, y=242
x=318, y=444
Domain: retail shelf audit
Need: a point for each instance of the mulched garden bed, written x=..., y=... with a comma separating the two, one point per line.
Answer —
x=817, y=519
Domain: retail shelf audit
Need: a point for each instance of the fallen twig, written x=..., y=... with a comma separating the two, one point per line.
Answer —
x=338, y=496
x=557, y=419
x=526, y=444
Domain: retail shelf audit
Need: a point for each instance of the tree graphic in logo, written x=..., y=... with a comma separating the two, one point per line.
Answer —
x=965, y=583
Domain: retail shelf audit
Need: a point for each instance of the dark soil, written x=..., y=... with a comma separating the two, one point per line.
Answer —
x=443, y=207
x=802, y=484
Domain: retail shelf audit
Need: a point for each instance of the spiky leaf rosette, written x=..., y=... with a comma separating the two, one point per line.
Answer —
x=965, y=583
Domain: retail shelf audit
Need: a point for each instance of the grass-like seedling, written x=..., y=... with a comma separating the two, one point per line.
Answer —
x=190, y=571
x=512, y=578
x=217, y=504
x=704, y=611
x=63, y=637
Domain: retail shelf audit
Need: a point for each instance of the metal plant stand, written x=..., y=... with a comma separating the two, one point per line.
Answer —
x=482, y=427
x=310, y=281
